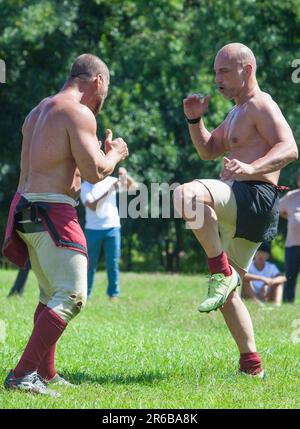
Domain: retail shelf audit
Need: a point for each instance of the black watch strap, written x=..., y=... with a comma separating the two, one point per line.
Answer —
x=193, y=121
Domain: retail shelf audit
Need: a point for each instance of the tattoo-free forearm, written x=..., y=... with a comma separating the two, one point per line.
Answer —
x=201, y=139
x=278, y=157
x=107, y=164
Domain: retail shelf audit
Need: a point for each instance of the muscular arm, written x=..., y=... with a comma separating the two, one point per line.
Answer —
x=208, y=145
x=91, y=161
x=275, y=130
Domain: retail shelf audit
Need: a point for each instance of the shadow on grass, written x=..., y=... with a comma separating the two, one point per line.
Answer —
x=144, y=378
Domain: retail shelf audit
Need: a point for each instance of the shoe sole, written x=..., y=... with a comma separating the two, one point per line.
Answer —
x=29, y=390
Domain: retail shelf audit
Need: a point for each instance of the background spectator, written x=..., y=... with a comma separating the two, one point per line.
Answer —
x=289, y=208
x=103, y=227
x=263, y=282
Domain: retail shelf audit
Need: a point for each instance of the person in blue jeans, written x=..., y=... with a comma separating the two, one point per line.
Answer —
x=103, y=227
x=110, y=239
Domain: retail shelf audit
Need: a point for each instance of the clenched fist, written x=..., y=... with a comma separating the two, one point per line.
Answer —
x=195, y=106
x=118, y=145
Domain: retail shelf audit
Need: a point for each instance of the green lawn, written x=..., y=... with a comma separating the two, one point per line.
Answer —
x=152, y=349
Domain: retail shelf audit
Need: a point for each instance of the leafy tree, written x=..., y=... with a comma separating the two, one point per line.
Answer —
x=158, y=51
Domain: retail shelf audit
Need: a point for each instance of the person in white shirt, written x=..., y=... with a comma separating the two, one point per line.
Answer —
x=103, y=227
x=263, y=282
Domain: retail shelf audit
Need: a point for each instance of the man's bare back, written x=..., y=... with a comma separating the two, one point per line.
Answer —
x=47, y=164
x=60, y=145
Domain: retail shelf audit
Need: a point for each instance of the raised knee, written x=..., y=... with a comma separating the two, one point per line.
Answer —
x=178, y=198
x=183, y=197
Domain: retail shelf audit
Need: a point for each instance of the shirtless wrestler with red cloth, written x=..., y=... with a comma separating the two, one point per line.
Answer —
x=59, y=147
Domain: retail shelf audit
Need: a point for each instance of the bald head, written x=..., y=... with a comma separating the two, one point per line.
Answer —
x=235, y=70
x=238, y=53
x=88, y=66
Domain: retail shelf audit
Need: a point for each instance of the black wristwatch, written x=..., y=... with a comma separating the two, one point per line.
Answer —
x=193, y=121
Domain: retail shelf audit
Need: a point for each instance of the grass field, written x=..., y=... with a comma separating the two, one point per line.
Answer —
x=152, y=349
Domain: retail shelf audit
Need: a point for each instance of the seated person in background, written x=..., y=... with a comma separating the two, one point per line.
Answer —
x=263, y=282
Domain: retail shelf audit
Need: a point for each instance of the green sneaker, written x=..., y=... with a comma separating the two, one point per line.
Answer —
x=219, y=288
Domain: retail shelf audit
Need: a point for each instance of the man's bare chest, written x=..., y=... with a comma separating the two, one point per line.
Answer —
x=239, y=128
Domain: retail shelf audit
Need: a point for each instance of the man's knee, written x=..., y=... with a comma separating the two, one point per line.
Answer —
x=76, y=302
x=178, y=198
x=68, y=306
x=187, y=196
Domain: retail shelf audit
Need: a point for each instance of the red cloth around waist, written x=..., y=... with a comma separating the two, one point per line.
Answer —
x=59, y=219
x=14, y=248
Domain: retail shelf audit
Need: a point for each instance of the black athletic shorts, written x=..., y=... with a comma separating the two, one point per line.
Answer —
x=257, y=210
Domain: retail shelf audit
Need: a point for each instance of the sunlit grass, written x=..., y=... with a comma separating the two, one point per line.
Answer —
x=153, y=349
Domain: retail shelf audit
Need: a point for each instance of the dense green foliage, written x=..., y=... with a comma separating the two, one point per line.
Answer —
x=154, y=350
x=158, y=51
